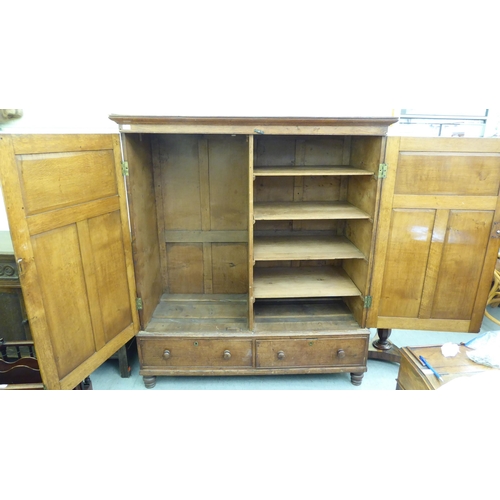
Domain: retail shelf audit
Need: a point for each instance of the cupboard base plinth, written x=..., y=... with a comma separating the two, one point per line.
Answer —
x=252, y=355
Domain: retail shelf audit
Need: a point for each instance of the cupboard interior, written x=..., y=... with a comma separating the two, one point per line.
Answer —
x=233, y=233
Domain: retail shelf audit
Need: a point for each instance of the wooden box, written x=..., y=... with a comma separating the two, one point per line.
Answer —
x=413, y=375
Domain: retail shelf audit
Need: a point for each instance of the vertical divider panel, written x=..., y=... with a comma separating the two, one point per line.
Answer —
x=157, y=152
x=250, y=232
x=298, y=184
x=205, y=212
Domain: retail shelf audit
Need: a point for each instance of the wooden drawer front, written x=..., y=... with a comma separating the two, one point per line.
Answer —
x=311, y=352
x=216, y=353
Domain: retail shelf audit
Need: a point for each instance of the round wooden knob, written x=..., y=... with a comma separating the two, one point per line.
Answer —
x=281, y=355
x=227, y=354
x=166, y=354
x=341, y=353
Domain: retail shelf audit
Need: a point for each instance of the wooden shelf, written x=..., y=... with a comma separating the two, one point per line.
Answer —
x=285, y=170
x=296, y=282
x=304, y=247
x=199, y=313
x=304, y=315
x=309, y=210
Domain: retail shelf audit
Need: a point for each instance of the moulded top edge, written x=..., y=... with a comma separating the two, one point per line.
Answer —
x=255, y=121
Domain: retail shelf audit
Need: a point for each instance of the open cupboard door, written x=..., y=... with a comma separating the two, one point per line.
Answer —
x=67, y=212
x=437, y=237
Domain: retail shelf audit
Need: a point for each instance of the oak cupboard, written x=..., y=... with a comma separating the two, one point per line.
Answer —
x=238, y=246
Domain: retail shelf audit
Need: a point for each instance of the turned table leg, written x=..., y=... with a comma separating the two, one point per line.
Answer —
x=123, y=362
x=149, y=382
x=383, y=349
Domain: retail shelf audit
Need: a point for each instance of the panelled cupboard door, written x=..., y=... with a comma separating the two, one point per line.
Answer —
x=67, y=212
x=437, y=241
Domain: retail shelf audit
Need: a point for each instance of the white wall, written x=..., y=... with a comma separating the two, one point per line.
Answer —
x=68, y=69
x=4, y=225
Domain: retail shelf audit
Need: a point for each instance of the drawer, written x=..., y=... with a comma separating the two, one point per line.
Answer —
x=287, y=353
x=214, y=353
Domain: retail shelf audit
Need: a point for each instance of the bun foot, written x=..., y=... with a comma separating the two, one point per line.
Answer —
x=149, y=382
x=356, y=378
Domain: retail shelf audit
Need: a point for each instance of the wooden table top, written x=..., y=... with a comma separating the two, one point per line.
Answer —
x=449, y=368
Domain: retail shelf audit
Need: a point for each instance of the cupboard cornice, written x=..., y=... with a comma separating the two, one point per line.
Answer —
x=254, y=125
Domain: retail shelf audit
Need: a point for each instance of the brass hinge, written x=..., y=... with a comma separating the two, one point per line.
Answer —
x=368, y=301
x=138, y=303
x=124, y=168
x=382, y=171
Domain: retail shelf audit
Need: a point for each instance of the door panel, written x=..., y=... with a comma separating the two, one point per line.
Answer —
x=110, y=267
x=436, y=249
x=68, y=217
x=448, y=174
x=55, y=180
x=66, y=304
x=465, y=242
x=406, y=262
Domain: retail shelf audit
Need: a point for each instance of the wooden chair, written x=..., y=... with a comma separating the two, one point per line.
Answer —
x=19, y=367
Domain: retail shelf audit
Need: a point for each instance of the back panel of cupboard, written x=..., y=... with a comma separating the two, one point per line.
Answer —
x=202, y=207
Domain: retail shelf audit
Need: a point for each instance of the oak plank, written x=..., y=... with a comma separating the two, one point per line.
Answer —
x=56, y=143
x=185, y=267
x=307, y=210
x=228, y=183
x=66, y=305
x=59, y=180
x=142, y=188
x=158, y=155
x=443, y=325
x=206, y=236
x=284, y=171
x=453, y=144
x=106, y=239
x=55, y=219
x=91, y=283
x=434, y=263
x=251, y=158
x=409, y=242
x=285, y=282
x=463, y=259
x=457, y=174
x=304, y=247
x=445, y=202
x=230, y=268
